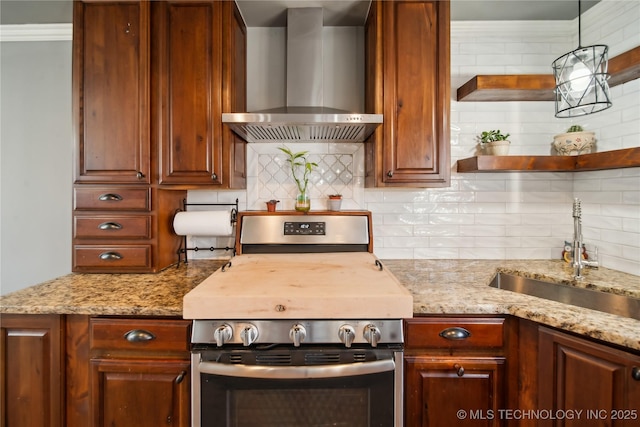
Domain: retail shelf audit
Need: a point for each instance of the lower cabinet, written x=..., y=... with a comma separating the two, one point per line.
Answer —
x=31, y=371
x=456, y=371
x=140, y=372
x=593, y=384
x=140, y=392
x=82, y=371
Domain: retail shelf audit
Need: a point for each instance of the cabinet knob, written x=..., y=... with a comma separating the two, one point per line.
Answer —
x=110, y=256
x=180, y=377
x=390, y=174
x=140, y=175
x=214, y=177
x=459, y=369
x=109, y=197
x=139, y=335
x=635, y=373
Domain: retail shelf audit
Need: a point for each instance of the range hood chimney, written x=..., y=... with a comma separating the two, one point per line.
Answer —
x=304, y=119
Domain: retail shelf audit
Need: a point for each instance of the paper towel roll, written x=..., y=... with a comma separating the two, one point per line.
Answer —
x=203, y=223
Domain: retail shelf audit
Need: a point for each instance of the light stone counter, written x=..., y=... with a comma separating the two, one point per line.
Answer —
x=456, y=287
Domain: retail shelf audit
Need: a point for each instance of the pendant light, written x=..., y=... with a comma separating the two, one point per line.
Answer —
x=581, y=79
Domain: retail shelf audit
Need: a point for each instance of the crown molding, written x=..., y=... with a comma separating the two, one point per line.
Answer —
x=36, y=32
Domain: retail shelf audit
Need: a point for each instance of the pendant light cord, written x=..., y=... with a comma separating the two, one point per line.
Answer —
x=579, y=24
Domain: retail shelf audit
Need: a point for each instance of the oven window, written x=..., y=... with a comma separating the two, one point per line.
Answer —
x=362, y=401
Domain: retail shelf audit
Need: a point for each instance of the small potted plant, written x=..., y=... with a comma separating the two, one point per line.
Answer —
x=494, y=142
x=574, y=141
x=271, y=205
x=299, y=161
x=335, y=202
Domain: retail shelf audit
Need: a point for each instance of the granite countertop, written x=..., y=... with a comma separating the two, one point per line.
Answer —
x=438, y=287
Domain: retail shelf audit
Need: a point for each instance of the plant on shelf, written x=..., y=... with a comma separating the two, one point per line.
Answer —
x=299, y=161
x=494, y=142
x=574, y=141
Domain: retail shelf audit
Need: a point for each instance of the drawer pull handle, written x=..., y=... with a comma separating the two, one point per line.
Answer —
x=110, y=197
x=635, y=373
x=110, y=256
x=139, y=335
x=459, y=369
x=455, y=333
x=110, y=226
x=180, y=377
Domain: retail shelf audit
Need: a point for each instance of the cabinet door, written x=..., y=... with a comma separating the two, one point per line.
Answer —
x=140, y=393
x=234, y=90
x=410, y=62
x=578, y=375
x=111, y=91
x=187, y=75
x=31, y=371
x=460, y=391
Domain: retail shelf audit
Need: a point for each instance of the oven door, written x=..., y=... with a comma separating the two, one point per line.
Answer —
x=357, y=394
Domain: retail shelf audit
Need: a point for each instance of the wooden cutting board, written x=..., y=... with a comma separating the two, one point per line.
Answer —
x=300, y=286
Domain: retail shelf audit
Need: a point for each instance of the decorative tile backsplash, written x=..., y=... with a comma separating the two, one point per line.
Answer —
x=340, y=171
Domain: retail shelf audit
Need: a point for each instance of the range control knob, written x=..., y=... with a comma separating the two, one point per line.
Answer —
x=222, y=334
x=372, y=334
x=347, y=334
x=297, y=333
x=249, y=334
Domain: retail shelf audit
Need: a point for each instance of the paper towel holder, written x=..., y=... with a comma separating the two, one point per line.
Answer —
x=183, y=246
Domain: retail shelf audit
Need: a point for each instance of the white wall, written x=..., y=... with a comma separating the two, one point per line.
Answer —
x=36, y=162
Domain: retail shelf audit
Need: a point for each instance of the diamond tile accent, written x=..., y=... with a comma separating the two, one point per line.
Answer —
x=336, y=174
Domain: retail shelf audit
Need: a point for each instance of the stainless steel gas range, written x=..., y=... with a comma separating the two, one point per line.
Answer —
x=303, y=327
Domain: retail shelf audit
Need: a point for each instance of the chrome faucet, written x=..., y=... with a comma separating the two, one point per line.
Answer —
x=579, y=263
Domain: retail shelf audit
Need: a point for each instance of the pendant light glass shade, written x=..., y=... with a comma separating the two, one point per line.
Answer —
x=582, y=80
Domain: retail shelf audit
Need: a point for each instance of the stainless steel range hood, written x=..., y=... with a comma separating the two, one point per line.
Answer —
x=304, y=119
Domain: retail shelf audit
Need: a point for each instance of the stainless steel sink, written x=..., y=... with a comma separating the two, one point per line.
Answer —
x=620, y=305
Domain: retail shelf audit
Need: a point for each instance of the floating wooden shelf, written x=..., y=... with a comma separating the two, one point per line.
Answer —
x=616, y=159
x=539, y=87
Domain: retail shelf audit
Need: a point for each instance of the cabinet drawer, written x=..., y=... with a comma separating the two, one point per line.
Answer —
x=442, y=332
x=139, y=335
x=112, y=227
x=112, y=257
x=110, y=198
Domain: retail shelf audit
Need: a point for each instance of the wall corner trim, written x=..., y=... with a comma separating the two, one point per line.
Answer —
x=36, y=32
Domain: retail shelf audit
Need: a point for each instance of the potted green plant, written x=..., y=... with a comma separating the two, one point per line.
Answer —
x=574, y=141
x=299, y=161
x=494, y=142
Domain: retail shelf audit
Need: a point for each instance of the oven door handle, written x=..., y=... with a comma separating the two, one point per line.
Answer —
x=297, y=372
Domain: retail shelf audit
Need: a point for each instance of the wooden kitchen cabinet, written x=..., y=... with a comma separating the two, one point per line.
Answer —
x=150, y=83
x=111, y=91
x=467, y=371
x=407, y=79
x=139, y=372
x=198, y=47
x=576, y=374
x=32, y=380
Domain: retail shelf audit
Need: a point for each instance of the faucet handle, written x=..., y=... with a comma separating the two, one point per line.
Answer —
x=593, y=261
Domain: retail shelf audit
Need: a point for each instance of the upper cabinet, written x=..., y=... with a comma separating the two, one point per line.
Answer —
x=151, y=80
x=408, y=80
x=111, y=92
x=197, y=51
